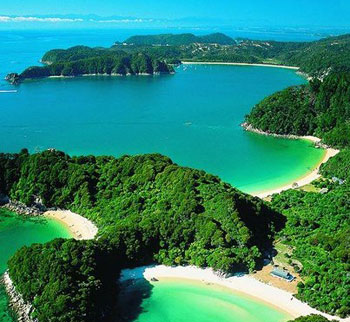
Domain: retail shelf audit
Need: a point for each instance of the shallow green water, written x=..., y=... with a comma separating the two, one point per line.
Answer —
x=17, y=231
x=192, y=117
x=183, y=301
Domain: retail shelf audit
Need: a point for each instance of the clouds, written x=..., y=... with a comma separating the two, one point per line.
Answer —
x=6, y=19
x=19, y=19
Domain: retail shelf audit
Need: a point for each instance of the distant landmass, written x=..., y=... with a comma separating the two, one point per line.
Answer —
x=154, y=54
x=180, y=39
x=82, y=60
x=317, y=58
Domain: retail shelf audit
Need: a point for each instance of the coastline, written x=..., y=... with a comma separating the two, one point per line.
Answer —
x=240, y=64
x=21, y=308
x=306, y=178
x=246, y=285
x=79, y=227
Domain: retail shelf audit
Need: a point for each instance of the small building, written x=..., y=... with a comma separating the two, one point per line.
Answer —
x=337, y=180
x=282, y=274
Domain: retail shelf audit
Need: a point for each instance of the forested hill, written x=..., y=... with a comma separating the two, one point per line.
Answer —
x=177, y=215
x=81, y=60
x=147, y=209
x=153, y=54
x=319, y=108
x=179, y=39
x=318, y=58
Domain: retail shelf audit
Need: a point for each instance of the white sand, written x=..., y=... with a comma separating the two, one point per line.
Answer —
x=243, y=284
x=80, y=227
x=239, y=64
x=308, y=178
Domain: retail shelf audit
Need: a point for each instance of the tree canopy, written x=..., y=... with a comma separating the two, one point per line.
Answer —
x=319, y=108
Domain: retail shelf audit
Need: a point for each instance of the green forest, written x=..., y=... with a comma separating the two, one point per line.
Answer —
x=317, y=58
x=81, y=60
x=67, y=280
x=153, y=54
x=319, y=108
x=147, y=208
x=175, y=215
x=311, y=318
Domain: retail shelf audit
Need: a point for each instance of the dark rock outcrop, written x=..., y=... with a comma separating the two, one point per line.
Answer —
x=13, y=78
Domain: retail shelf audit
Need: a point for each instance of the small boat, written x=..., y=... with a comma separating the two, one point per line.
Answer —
x=153, y=279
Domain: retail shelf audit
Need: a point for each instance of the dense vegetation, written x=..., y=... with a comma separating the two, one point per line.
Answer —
x=82, y=60
x=179, y=39
x=338, y=166
x=153, y=54
x=66, y=280
x=147, y=209
x=176, y=215
x=319, y=108
x=318, y=230
x=311, y=318
x=318, y=58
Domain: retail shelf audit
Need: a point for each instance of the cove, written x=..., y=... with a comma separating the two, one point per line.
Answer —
x=17, y=231
x=193, y=117
x=177, y=300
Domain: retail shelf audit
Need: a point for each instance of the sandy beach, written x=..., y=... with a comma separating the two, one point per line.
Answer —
x=307, y=178
x=243, y=284
x=239, y=64
x=80, y=227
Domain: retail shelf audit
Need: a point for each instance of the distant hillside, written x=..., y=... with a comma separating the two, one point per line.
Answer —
x=82, y=60
x=318, y=58
x=180, y=39
x=153, y=54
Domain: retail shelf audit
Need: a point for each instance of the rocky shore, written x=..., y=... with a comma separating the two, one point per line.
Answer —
x=22, y=309
x=37, y=209
x=318, y=144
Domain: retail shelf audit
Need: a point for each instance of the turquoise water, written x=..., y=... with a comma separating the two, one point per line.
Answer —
x=17, y=231
x=183, y=301
x=193, y=117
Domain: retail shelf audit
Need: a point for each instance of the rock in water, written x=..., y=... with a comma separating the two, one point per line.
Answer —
x=13, y=78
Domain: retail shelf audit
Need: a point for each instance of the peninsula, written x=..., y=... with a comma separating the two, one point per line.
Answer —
x=84, y=61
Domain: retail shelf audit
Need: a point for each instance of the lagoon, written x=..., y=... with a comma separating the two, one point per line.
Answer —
x=179, y=300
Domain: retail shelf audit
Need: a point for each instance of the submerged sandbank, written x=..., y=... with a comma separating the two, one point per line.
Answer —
x=247, y=285
x=80, y=227
x=305, y=179
x=239, y=64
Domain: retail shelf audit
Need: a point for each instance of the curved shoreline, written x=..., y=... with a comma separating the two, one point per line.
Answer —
x=80, y=227
x=246, y=285
x=239, y=64
x=304, y=179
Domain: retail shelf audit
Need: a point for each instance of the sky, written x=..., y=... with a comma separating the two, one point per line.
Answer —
x=296, y=13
